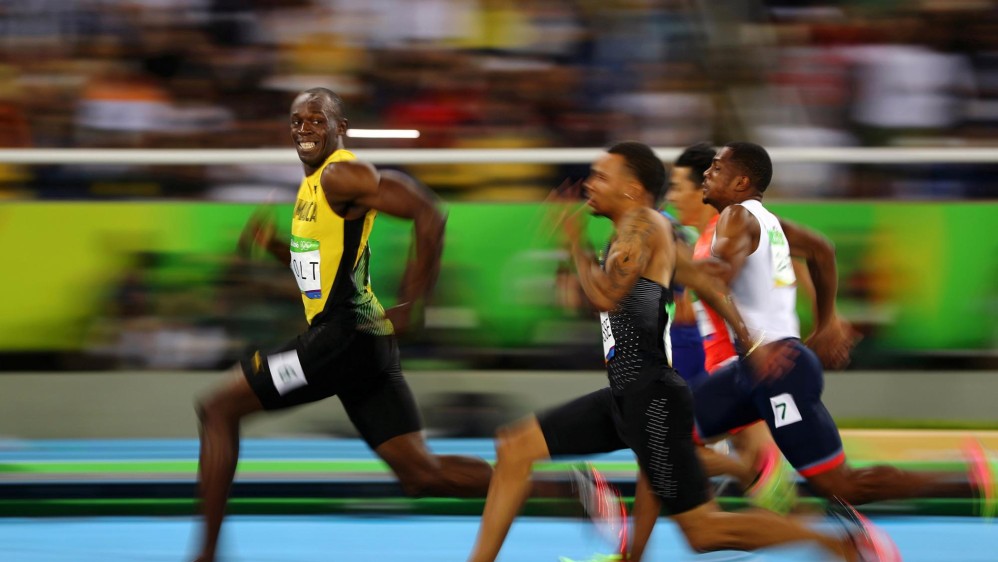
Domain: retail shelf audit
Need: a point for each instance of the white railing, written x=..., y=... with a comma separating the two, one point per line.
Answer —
x=470, y=155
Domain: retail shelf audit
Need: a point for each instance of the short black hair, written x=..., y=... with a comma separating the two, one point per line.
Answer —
x=335, y=101
x=698, y=159
x=644, y=164
x=755, y=161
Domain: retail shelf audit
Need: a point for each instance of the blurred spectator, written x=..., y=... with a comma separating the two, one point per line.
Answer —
x=672, y=108
x=14, y=133
x=524, y=74
x=121, y=107
x=498, y=73
x=911, y=83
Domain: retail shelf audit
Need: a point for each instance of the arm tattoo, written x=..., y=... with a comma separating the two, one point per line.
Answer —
x=633, y=244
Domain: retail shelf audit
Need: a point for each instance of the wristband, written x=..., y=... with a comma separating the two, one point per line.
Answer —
x=757, y=343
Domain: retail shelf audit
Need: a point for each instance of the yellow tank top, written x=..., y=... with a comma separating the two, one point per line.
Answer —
x=330, y=258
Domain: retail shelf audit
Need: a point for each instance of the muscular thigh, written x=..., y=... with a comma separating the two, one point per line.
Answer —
x=658, y=426
x=380, y=404
x=724, y=402
x=797, y=418
x=312, y=366
x=583, y=426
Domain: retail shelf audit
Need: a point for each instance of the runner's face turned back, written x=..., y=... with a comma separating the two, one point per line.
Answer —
x=317, y=129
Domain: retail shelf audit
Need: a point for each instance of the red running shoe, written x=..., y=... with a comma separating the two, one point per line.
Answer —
x=871, y=543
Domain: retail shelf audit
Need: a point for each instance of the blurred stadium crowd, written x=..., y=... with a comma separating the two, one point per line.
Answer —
x=479, y=74
x=497, y=73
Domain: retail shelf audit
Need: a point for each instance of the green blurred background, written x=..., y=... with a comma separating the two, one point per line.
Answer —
x=118, y=283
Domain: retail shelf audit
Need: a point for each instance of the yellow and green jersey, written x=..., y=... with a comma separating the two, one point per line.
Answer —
x=330, y=259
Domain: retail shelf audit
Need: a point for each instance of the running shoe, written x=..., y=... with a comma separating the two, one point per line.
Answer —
x=602, y=504
x=870, y=542
x=776, y=487
x=982, y=477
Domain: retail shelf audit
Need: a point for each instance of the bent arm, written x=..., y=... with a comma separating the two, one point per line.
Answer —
x=629, y=256
x=279, y=248
x=398, y=195
x=261, y=231
x=819, y=254
x=713, y=292
x=735, y=238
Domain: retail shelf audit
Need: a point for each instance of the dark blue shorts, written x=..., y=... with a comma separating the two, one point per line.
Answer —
x=791, y=406
x=687, y=353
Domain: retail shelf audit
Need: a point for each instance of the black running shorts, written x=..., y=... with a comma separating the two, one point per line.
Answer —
x=329, y=359
x=655, y=422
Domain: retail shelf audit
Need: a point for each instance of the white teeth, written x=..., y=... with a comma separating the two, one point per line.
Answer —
x=306, y=145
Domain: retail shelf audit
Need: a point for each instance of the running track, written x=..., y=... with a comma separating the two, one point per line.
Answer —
x=347, y=537
x=422, y=539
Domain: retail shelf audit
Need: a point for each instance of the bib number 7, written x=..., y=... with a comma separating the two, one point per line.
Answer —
x=785, y=410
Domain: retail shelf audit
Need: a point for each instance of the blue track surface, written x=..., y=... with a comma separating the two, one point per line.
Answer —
x=251, y=449
x=402, y=538
x=422, y=539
